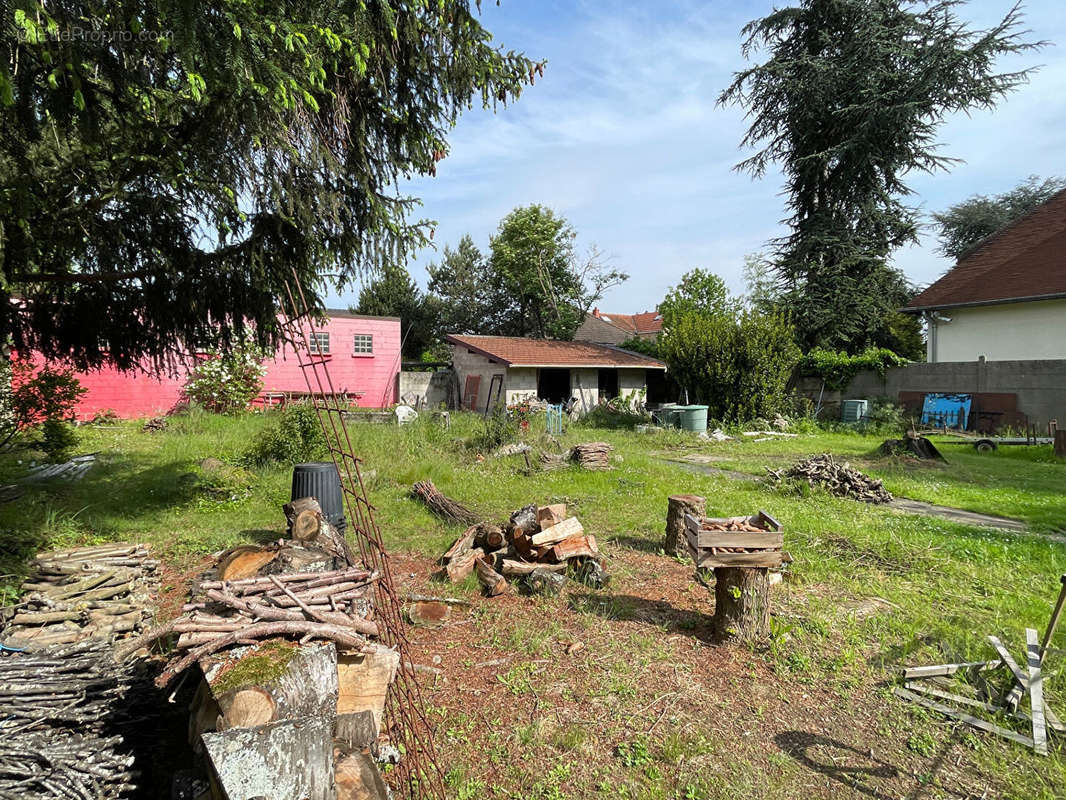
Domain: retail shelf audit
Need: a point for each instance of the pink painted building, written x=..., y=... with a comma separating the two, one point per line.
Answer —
x=362, y=354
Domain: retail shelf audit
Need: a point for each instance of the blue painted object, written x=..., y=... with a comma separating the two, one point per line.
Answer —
x=946, y=410
x=554, y=419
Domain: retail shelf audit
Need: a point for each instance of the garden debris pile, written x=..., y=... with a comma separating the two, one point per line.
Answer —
x=72, y=470
x=442, y=506
x=838, y=479
x=591, y=455
x=58, y=735
x=83, y=593
x=537, y=548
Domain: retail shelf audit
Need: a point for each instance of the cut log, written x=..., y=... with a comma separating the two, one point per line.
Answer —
x=358, y=778
x=1060, y=443
x=305, y=525
x=294, y=508
x=302, y=560
x=298, y=681
x=244, y=562
x=677, y=506
x=524, y=520
x=356, y=730
x=574, y=547
x=463, y=544
x=522, y=545
x=495, y=584
x=547, y=516
x=556, y=533
x=513, y=568
x=246, y=708
x=460, y=568
x=492, y=538
x=741, y=604
x=544, y=581
x=286, y=760
x=364, y=679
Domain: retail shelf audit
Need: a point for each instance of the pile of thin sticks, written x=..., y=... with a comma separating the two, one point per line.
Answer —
x=55, y=740
x=309, y=605
x=441, y=505
x=837, y=478
x=82, y=593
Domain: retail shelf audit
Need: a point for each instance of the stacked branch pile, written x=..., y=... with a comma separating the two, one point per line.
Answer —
x=591, y=455
x=58, y=736
x=537, y=547
x=838, y=479
x=83, y=593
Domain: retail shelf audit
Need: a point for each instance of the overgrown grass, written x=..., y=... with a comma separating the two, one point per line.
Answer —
x=940, y=586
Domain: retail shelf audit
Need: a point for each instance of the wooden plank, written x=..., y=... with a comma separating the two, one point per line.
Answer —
x=1036, y=691
x=573, y=547
x=948, y=669
x=1008, y=659
x=768, y=558
x=517, y=568
x=961, y=716
x=556, y=533
x=763, y=541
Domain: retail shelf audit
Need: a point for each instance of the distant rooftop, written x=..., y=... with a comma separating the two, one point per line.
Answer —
x=644, y=322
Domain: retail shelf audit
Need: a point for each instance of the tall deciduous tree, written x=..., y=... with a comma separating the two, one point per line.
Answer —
x=165, y=166
x=540, y=286
x=394, y=293
x=848, y=102
x=699, y=291
x=965, y=225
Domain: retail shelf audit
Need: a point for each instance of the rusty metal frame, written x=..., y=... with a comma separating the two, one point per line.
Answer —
x=418, y=775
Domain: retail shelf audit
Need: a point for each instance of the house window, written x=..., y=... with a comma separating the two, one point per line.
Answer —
x=364, y=343
x=320, y=343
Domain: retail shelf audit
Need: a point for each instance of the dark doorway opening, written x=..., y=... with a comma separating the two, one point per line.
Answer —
x=608, y=384
x=553, y=385
x=659, y=387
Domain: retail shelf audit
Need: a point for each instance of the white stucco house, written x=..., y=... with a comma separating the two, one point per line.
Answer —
x=1006, y=300
x=508, y=369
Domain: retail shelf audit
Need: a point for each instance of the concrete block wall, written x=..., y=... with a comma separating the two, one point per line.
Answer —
x=630, y=381
x=1039, y=384
x=468, y=363
x=435, y=388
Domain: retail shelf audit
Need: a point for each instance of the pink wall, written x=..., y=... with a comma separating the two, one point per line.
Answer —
x=369, y=380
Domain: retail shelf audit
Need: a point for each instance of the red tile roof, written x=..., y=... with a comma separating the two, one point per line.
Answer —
x=1024, y=261
x=644, y=322
x=515, y=351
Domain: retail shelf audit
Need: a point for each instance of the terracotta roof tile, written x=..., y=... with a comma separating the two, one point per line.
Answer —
x=644, y=322
x=1026, y=260
x=516, y=351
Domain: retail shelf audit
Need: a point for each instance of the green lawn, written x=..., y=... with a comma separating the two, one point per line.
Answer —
x=940, y=587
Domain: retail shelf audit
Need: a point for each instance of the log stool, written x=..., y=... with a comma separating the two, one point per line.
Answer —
x=675, y=542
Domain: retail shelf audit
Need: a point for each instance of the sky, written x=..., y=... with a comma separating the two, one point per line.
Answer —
x=623, y=137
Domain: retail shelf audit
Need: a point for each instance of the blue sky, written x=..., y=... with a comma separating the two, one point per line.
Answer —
x=623, y=138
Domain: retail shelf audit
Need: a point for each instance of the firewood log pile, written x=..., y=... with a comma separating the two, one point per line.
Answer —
x=254, y=594
x=838, y=479
x=57, y=735
x=592, y=455
x=94, y=592
x=536, y=548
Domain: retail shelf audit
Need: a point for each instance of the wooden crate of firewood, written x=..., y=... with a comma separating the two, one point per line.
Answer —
x=755, y=541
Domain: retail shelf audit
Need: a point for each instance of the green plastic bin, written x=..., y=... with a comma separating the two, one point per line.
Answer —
x=667, y=414
x=692, y=418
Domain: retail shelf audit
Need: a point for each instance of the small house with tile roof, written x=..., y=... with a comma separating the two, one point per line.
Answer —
x=604, y=328
x=509, y=369
x=1005, y=300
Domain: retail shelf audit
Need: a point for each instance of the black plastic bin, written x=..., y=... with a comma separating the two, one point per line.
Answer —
x=319, y=479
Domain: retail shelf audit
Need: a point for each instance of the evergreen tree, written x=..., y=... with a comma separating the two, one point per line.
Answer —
x=965, y=225
x=166, y=167
x=394, y=293
x=848, y=101
x=459, y=285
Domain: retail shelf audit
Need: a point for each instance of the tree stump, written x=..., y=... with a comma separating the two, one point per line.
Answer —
x=675, y=543
x=1060, y=443
x=741, y=604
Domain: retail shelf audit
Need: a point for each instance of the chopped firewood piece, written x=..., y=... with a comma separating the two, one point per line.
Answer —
x=305, y=525
x=461, y=545
x=512, y=568
x=428, y=614
x=544, y=581
x=547, y=516
x=573, y=547
x=495, y=584
x=244, y=562
x=460, y=568
x=522, y=545
x=556, y=533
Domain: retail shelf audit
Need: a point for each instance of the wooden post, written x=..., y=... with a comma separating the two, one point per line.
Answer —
x=741, y=604
x=675, y=543
x=1060, y=443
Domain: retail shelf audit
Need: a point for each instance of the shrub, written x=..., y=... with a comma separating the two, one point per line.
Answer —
x=838, y=369
x=228, y=382
x=626, y=411
x=496, y=430
x=58, y=439
x=296, y=436
x=31, y=395
x=224, y=483
x=738, y=366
